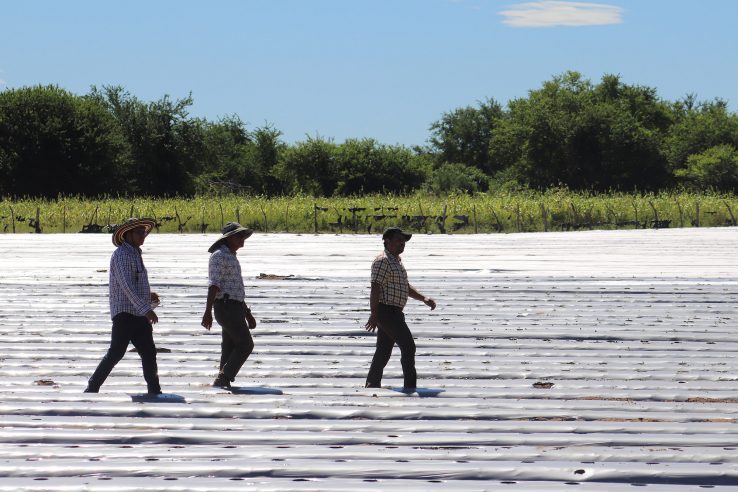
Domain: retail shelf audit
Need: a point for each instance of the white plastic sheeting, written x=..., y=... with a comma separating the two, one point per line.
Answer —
x=595, y=360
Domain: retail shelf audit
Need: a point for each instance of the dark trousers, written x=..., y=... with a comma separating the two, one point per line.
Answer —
x=128, y=328
x=392, y=330
x=237, y=343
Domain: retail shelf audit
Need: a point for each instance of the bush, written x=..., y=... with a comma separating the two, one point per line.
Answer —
x=716, y=168
x=451, y=178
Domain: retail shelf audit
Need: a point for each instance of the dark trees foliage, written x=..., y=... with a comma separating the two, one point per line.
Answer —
x=166, y=146
x=569, y=132
x=582, y=136
x=464, y=134
x=52, y=141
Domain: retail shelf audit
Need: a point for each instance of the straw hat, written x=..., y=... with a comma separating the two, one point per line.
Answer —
x=230, y=229
x=130, y=224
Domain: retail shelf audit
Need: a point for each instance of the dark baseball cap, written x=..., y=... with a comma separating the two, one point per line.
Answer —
x=391, y=231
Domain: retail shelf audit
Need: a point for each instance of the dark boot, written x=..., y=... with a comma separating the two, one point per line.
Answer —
x=222, y=382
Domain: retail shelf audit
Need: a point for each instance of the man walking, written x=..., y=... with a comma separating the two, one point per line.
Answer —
x=226, y=294
x=131, y=306
x=389, y=293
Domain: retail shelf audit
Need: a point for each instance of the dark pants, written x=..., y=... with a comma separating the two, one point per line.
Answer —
x=392, y=330
x=237, y=343
x=138, y=331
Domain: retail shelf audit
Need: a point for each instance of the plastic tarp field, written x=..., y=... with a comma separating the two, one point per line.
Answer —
x=597, y=360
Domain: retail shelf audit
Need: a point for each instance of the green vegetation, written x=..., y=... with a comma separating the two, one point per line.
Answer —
x=504, y=211
x=570, y=133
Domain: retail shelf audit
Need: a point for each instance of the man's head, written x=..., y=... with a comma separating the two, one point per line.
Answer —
x=233, y=236
x=394, y=240
x=133, y=231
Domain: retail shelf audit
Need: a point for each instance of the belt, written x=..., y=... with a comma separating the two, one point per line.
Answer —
x=232, y=301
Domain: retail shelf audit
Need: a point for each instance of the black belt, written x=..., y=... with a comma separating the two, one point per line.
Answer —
x=232, y=301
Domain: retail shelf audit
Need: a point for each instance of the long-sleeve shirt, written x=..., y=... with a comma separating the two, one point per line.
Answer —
x=129, y=282
x=391, y=276
x=224, y=271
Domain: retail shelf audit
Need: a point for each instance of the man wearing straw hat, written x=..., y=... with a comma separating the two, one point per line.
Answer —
x=389, y=293
x=131, y=306
x=226, y=294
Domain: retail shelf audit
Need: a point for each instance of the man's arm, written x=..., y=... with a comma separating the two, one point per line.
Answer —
x=371, y=325
x=207, y=318
x=420, y=297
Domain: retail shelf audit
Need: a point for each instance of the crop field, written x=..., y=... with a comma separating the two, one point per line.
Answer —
x=588, y=360
x=555, y=210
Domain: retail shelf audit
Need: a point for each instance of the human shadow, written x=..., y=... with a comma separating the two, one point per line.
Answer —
x=243, y=390
x=420, y=392
x=162, y=398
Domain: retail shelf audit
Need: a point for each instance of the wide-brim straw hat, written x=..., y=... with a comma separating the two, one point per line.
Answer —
x=130, y=224
x=230, y=229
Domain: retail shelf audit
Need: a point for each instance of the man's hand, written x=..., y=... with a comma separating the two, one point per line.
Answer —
x=429, y=302
x=152, y=317
x=371, y=325
x=155, y=298
x=207, y=320
x=250, y=320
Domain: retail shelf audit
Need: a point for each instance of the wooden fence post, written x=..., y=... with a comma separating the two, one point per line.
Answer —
x=655, y=213
x=635, y=207
x=263, y=212
x=697, y=218
x=544, y=215
x=37, y=224
x=287, y=218
x=732, y=217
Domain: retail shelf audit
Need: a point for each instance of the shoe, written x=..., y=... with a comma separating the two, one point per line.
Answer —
x=222, y=382
x=372, y=385
x=91, y=390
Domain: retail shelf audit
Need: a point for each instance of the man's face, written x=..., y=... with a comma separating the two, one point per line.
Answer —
x=136, y=237
x=236, y=242
x=396, y=244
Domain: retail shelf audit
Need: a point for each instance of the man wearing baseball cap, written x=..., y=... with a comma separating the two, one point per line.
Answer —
x=131, y=306
x=389, y=292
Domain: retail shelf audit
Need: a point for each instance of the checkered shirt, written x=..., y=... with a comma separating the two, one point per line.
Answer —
x=129, y=282
x=390, y=275
x=224, y=271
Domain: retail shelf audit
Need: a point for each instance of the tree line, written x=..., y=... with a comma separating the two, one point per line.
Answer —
x=570, y=132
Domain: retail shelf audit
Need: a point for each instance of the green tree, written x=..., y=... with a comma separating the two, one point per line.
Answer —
x=53, y=142
x=463, y=135
x=308, y=167
x=582, y=136
x=454, y=177
x=365, y=166
x=698, y=127
x=714, y=169
x=167, y=146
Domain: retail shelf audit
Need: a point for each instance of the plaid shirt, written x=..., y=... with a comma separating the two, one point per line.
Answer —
x=390, y=275
x=224, y=271
x=129, y=282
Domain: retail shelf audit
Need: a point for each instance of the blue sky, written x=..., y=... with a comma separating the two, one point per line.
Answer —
x=384, y=69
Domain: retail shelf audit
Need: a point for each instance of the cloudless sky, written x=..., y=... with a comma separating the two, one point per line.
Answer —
x=383, y=69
